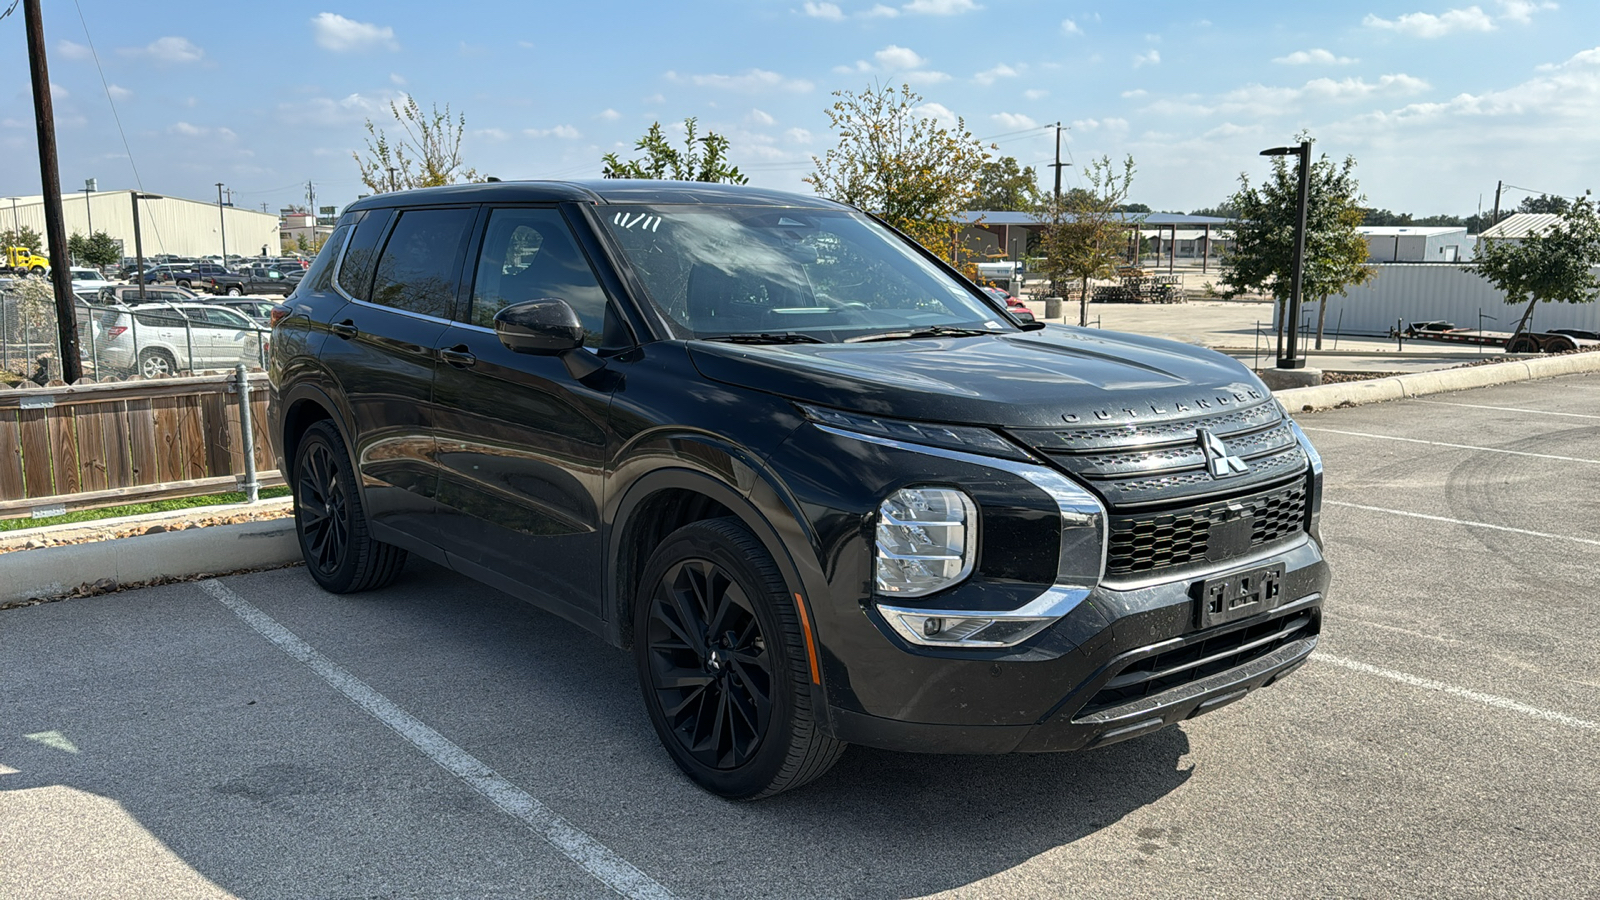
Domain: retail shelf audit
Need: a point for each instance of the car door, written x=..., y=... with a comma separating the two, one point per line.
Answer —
x=234, y=339
x=522, y=444
x=399, y=275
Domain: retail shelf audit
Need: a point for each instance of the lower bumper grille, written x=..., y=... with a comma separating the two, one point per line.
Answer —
x=1199, y=659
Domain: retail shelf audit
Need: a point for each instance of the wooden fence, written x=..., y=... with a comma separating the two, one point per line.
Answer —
x=94, y=444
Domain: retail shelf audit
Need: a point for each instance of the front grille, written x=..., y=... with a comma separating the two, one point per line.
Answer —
x=1198, y=659
x=1145, y=541
x=1162, y=499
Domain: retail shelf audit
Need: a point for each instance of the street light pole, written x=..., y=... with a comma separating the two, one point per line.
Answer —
x=1291, y=357
x=138, y=240
x=222, y=220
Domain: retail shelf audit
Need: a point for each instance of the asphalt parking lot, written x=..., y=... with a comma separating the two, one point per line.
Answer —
x=252, y=736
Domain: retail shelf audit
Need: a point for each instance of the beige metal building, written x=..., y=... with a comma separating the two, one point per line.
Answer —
x=171, y=225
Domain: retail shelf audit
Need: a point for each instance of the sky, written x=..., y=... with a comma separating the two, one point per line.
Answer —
x=1436, y=101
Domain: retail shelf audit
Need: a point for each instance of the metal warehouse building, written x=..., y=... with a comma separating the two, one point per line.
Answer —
x=1404, y=293
x=1417, y=244
x=168, y=224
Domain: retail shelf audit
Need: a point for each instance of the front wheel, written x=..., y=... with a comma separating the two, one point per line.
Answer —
x=157, y=363
x=723, y=666
x=339, y=550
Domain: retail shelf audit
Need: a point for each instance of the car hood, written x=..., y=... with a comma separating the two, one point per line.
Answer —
x=1033, y=379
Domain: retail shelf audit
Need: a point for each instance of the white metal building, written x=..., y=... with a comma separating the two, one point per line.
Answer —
x=1407, y=293
x=1520, y=225
x=168, y=224
x=1416, y=244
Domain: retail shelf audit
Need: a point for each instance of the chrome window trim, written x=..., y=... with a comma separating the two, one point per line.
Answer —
x=1078, y=508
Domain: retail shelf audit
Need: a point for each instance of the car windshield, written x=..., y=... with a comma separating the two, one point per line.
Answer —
x=790, y=275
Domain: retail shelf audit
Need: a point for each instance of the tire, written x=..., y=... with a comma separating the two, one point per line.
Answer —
x=1558, y=343
x=705, y=691
x=330, y=522
x=235, y=291
x=155, y=362
x=1523, y=343
x=184, y=284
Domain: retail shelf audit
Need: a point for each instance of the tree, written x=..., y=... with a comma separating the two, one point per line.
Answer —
x=902, y=165
x=1544, y=203
x=701, y=159
x=1084, y=231
x=27, y=237
x=1223, y=210
x=1003, y=186
x=97, y=249
x=426, y=154
x=1553, y=265
x=1262, y=257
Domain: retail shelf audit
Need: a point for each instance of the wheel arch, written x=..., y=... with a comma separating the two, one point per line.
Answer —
x=303, y=406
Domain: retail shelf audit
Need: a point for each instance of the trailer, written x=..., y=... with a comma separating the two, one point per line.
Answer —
x=1559, y=340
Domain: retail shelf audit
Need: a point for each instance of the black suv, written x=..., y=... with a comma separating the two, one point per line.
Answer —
x=824, y=488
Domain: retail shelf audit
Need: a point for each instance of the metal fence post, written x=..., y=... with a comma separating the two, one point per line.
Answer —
x=188, y=340
x=252, y=487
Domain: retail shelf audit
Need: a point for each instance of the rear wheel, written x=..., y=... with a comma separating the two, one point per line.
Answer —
x=235, y=291
x=339, y=550
x=1523, y=343
x=723, y=666
x=157, y=363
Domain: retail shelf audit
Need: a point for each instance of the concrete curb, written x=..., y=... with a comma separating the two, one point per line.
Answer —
x=53, y=571
x=1417, y=384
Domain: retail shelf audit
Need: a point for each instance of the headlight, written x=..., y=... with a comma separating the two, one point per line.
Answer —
x=926, y=538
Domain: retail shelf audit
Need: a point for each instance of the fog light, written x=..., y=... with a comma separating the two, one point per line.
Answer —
x=933, y=626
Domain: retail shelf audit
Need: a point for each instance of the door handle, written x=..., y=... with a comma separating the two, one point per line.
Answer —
x=346, y=329
x=459, y=357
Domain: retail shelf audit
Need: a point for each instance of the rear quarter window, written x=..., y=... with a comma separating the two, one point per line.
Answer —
x=417, y=270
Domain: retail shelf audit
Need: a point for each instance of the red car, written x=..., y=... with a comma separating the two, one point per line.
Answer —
x=1017, y=308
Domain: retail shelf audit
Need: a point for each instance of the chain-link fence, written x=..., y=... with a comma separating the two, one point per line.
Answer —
x=153, y=340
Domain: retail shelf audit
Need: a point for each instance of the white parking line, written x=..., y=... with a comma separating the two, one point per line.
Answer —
x=1390, y=437
x=597, y=859
x=1465, y=693
x=1515, y=409
x=1469, y=524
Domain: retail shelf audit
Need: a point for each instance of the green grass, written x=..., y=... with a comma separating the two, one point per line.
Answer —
x=139, y=509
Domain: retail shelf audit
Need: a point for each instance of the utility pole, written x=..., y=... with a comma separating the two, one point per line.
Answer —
x=311, y=197
x=1058, y=164
x=222, y=220
x=1496, y=214
x=394, y=187
x=50, y=173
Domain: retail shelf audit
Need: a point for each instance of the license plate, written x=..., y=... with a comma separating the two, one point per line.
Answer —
x=1239, y=595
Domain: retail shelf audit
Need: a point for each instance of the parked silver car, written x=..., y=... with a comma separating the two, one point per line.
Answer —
x=159, y=340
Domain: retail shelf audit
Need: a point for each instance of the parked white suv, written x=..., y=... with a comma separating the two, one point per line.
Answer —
x=158, y=340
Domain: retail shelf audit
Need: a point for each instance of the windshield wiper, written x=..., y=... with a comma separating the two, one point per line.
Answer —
x=767, y=337
x=929, y=331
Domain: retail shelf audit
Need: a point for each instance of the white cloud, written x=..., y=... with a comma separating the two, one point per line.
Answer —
x=1149, y=58
x=185, y=129
x=1521, y=11
x=397, y=79
x=1428, y=25
x=1349, y=88
x=167, y=50
x=118, y=92
x=937, y=112
x=1112, y=124
x=334, y=32
x=798, y=135
x=57, y=92
x=1035, y=93
x=565, y=132
x=829, y=11
x=881, y=12
x=491, y=134
x=895, y=58
x=757, y=117
x=750, y=81
x=656, y=98
x=1317, y=56
x=989, y=76
x=608, y=114
x=69, y=50
x=1134, y=94
x=1013, y=121
x=940, y=7
x=1070, y=27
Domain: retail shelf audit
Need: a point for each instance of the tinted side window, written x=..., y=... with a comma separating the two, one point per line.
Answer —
x=529, y=254
x=320, y=278
x=355, y=276
x=417, y=271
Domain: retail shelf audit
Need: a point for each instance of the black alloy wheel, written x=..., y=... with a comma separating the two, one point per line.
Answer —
x=709, y=664
x=723, y=666
x=340, y=554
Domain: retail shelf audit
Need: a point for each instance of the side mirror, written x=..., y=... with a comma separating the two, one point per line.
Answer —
x=545, y=327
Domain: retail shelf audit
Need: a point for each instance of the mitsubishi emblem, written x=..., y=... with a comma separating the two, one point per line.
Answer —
x=1218, y=459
